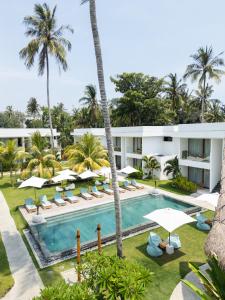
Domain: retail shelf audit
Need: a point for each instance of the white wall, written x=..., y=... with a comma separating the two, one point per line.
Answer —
x=215, y=161
x=156, y=145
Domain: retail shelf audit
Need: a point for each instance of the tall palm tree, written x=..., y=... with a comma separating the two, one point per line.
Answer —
x=205, y=66
x=33, y=107
x=106, y=116
x=90, y=99
x=46, y=40
x=87, y=153
x=151, y=164
x=215, y=113
x=172, y=167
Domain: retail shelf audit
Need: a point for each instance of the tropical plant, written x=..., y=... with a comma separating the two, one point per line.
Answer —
x=205, y=66
x=87, y=153
x=107, y=122
x=215, y=112
x=213, y=281
x=47, y=40
x=33, y=107
x=42, y=161
x=182, y=183
x=11, y=118
x=151, y=164
x=172, y=167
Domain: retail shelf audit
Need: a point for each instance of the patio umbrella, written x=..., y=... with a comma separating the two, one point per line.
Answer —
x=62, y=177
x=35, y=182
x=87, y=174
x=128, y=170
x=67, y=172
x=169, y=218
x=104, y=171
x=208, y=201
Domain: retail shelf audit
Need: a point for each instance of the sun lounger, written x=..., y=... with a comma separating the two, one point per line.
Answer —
x=95, y=192
x=29, y=205
x=71, y=198
x=84, y=193
x=202, y=222
x=121, y=190
x=58, y=200
x=107, y=190
x=58, y=189
x=44, y=202
x=128, y=186
x=70, y=187
x=137, y=185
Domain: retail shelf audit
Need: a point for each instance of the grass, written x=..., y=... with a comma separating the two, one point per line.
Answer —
x=168, y=269
x=6, y=279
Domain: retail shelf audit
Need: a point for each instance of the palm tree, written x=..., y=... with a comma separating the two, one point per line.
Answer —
x=87, y=153
x=33, y=107
x=172, y=167
x=151, y=164
x=215, y=113
x=90, y=99
x=106, y=116
x=41, y=160
x=47, y=40
x=205, y=66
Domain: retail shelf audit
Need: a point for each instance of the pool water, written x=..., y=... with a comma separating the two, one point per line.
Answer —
x=59, y=233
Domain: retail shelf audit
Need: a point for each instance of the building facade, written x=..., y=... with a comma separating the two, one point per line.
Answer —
x=199, y=148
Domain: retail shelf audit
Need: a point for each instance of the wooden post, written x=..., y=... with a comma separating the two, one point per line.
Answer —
x=78, y=256
x=99, y=239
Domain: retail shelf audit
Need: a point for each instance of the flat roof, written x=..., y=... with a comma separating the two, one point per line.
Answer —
x=25, y=132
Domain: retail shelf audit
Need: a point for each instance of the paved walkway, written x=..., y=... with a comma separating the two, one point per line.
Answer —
x=27, y=280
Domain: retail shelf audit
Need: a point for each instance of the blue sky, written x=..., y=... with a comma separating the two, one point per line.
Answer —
x=153, y=37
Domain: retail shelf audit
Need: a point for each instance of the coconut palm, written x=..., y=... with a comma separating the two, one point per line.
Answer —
x=107, y=123
x=205, y=66
x=33, y=107
x=90, y=99
x=215, y=113
x=41, y=160
x=151, y=164
x=87, y=153
x=172, y=167
x=46, y=40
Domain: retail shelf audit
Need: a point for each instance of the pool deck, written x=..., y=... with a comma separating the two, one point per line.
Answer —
x=82, y=204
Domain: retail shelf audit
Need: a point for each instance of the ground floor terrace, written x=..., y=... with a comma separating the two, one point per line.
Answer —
x=168, y=269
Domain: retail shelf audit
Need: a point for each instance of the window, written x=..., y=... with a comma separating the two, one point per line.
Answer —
x=167, y=139
x=118, y=161
x=137, y=163
x=117, y=143
x=137, y=145
x=199, y=148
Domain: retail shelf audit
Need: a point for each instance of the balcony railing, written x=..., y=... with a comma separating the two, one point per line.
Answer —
x=117, y=148
x=189, y=156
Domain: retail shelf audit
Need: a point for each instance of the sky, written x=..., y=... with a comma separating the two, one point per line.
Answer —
x=153, y=37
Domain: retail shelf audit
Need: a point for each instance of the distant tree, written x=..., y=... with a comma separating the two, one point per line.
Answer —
x=47, y=40
x=11, y=118
x=172, y=167
x=205, y=66
x=33, y=107
x=151, y=164
x=215, y=112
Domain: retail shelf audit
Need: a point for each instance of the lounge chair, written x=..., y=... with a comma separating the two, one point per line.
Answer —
x=44, y=202
x=58, y=189
x=58, y=200
x=95, y=192
x=29, y=205
x=136, y=184
x=128, y=186
x=174, y=241
x=71, y=198
x=121, y=190
x=84, y=193
x=153, y=247
x=70, y=187
x=97, y=183
x=107, y=190
x=202, y=222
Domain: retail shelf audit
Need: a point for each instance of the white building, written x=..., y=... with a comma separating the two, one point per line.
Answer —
x=199, y=148
x=23, y=135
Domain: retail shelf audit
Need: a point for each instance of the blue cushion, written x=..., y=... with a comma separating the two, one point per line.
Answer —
x=57, y=196
x=154, y=239
x=154, y=251
x=203, y=226
x=29, y=201
x=69, y=194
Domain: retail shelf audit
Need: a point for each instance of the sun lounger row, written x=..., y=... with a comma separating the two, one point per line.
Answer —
x=67, y=188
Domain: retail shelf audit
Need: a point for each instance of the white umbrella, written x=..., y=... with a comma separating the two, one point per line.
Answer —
x=62, y=177
x=87, y=174
x=35, y=182
x=208, y=201
x=105, y=171
x=169, y=218
x=128, y=170
x=67, y=172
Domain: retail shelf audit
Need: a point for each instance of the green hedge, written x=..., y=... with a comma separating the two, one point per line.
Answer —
x=184, y=184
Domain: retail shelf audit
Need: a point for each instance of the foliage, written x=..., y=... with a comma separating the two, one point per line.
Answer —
x=151, y=164
x=87, y=153
x=214, y=283
x=114, y=278
x=33, y=107
x=11, y=118
x=137, y=175
x=172, y=167
x=184, y=184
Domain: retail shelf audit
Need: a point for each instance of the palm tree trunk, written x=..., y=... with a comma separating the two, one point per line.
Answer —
x=203, y=101
x=215, y=242
x=105, y=111
x=48, y=102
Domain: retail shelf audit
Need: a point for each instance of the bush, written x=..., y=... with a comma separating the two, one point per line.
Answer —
x=184, y=184
x=137, y=175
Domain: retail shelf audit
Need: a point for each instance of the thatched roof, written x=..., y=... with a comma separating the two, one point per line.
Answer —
x=215, y=242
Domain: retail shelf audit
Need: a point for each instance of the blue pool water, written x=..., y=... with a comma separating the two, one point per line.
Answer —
x=58, y=234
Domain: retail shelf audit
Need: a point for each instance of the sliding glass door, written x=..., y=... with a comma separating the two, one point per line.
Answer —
x=199, y=176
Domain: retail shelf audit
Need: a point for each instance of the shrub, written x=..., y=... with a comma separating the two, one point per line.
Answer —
x=137, y=175
x=184, y=184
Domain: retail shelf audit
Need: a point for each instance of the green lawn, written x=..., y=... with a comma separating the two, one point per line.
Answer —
x=6, y=279
x=168, y=269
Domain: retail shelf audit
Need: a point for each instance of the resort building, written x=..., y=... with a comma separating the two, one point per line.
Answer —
x=23, y=135
x=199, y=148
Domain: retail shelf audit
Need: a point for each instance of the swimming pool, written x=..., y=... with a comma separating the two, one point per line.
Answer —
x=57, y=235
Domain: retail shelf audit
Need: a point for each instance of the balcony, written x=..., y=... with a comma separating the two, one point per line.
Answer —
x=185, y=155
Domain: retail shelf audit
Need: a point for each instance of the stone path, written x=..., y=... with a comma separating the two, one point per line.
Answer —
x=27, y=280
